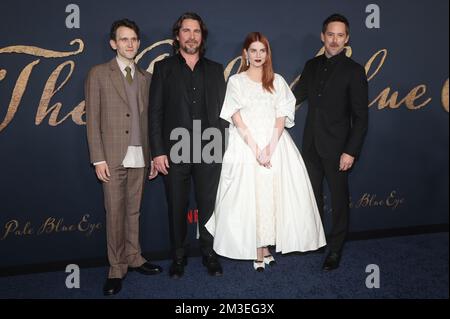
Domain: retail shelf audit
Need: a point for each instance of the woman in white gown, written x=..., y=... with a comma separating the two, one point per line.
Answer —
x=264, y=196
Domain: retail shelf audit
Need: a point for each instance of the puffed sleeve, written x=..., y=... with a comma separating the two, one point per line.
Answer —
x=285, y=101
x=232, y=102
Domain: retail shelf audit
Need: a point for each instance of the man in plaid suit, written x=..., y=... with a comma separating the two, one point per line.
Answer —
x=117, y=130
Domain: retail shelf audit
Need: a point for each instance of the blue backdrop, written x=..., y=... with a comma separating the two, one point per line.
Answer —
x=51, y=206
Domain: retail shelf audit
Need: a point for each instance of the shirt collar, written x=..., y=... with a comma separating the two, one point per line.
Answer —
x=335, y=58
x=183, y=60
x=123, y=65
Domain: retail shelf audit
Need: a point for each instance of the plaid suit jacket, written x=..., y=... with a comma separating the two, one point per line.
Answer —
x=108, y=117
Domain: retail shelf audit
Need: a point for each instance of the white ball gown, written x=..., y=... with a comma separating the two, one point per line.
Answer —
x=256, y=206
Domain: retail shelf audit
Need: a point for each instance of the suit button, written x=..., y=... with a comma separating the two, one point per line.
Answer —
x=126, y=132
x=128, y=115
x=319, y=94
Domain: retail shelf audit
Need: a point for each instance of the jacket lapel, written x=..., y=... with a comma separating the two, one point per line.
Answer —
x=116, y=79
x=315, y=82
x=208, y=89
x=179, y=76
x=141, y=78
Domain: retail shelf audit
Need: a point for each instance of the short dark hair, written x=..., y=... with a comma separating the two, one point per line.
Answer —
x=123, y=23
x=336, y=17
x=177, y=26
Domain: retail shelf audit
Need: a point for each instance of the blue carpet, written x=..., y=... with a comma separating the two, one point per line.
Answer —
x=410, y=267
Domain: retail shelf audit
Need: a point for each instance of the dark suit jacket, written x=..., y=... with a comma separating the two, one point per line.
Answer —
x=169, y=101
x=337, y=117
x=108, y=113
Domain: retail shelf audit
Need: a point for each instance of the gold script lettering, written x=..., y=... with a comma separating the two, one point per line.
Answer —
x=12, y=227
x=158, y=58
x=393, y=201
x=230, y=67
x=53, y=225
x=17, y=94
x=23, y=78
x=49, y=92
x=35, y=51
x=369, y=63
x=85, y=226
x=385, y=101
x=444, y=96
x=384, y=98
x=416, y=93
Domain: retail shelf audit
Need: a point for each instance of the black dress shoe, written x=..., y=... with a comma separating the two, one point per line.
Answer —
x=112, y=286
x=213, y=265
x=332, y=261
x=177, y=268
x=147, y=269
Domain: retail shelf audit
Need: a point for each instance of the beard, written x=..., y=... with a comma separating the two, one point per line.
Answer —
x=190, y=49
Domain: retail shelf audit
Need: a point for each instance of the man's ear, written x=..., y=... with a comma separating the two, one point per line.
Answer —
x=113, y=44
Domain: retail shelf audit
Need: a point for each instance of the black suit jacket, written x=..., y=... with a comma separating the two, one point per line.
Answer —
x=169, y=99
x=337, y=118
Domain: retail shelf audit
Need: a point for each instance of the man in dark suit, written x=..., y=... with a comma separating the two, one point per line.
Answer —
x=117, y=132
x=336, y=124
x=187, y=90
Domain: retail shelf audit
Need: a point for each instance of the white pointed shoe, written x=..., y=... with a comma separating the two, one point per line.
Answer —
x=258, y=265
x=269, y=260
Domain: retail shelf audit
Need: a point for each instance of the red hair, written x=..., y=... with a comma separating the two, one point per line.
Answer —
x=267, y=75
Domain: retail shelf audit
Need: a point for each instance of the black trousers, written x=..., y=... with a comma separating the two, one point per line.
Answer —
x=318, y=169
x=178, y=187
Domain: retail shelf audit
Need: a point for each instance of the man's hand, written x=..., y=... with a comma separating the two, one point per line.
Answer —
x=102, y=172
x=161, y=164
x=346, y=162
x=153, y=171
